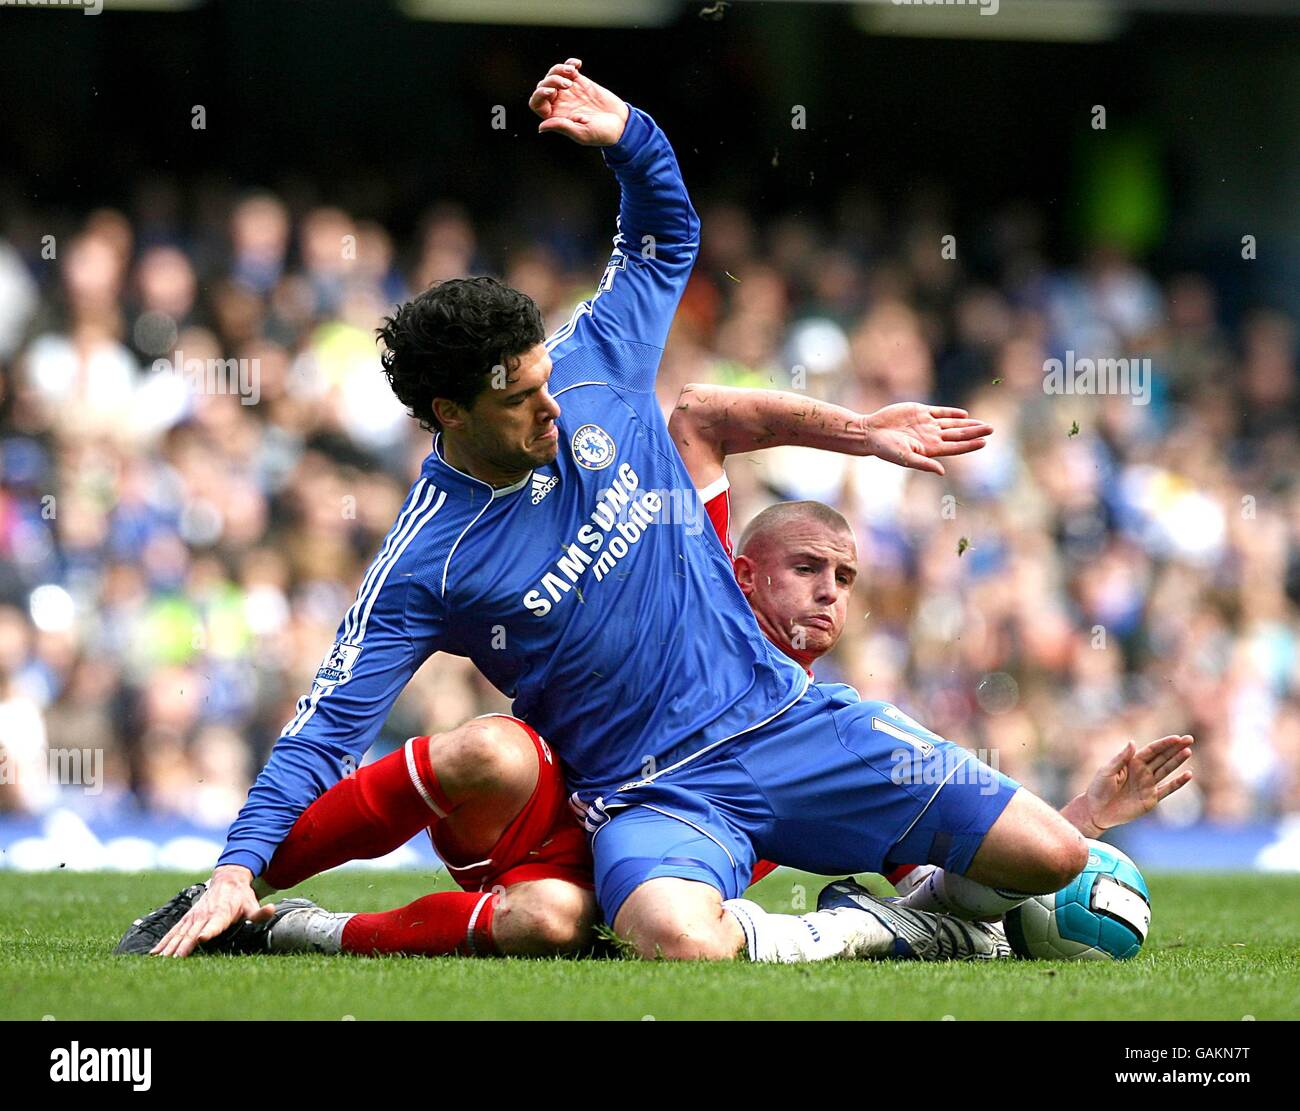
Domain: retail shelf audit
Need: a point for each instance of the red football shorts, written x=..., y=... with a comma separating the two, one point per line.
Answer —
x=544, y=841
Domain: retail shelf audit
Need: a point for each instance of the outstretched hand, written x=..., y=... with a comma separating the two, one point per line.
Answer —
x=575, y=106
x=1135, y=780
x=916, y=436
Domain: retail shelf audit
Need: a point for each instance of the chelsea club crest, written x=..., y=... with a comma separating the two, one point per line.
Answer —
x=593, y=447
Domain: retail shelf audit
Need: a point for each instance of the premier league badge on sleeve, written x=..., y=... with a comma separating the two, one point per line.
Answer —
x=337, y=666
x=593, y=447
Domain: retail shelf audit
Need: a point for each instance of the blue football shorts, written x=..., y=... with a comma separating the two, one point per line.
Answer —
x=833, y=785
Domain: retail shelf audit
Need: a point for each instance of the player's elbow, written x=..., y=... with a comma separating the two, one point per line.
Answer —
x=697, y=427
x=690, y=414
x=692, y=227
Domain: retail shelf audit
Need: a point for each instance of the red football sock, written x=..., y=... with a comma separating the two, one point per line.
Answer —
x=896, y=874
x=439, y=924
x=368, y=814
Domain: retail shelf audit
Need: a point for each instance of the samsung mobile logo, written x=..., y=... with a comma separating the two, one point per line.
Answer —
x=622, y=514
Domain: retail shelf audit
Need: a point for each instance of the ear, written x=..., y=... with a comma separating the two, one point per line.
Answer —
x=743, y=568
x=449, y=413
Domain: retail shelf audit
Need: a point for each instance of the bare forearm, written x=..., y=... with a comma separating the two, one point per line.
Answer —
x=739, y=420
x=1076, y=812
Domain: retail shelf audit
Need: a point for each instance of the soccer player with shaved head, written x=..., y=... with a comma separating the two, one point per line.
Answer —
x=796, y=563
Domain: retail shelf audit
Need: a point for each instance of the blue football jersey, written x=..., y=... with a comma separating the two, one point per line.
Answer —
x=593, y=592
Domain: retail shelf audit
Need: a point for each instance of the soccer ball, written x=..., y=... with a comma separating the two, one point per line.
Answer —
x=1102, y=914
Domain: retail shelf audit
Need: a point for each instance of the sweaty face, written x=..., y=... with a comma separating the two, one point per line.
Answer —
x=798, y=579
x=510, y=428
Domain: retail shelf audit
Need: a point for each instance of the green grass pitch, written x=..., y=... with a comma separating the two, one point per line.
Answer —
x=1221, y=947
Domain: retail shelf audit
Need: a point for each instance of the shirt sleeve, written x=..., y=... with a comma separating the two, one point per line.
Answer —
x=379, y=645
x=654, y=251
x=717, y=504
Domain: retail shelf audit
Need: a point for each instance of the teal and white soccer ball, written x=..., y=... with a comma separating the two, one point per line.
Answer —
x=1103, y=914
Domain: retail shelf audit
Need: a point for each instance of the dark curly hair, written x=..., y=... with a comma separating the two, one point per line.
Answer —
x=445, y=342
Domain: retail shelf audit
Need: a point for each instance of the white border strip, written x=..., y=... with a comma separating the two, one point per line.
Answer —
x=473, y=921
x=417, y=782
x=714, y=488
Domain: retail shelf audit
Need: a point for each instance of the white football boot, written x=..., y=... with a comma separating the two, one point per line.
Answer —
x=919, y=934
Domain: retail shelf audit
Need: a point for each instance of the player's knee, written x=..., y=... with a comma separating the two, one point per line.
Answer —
x=1061, y=855
x=683, y=940
x=695, y=944
x=659, y=929
x=564, y=921
x=486, y=754
x=1074, y=857
x=545, y=917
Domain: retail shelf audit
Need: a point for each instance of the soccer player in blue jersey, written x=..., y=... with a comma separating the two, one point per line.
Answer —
x=536, y=542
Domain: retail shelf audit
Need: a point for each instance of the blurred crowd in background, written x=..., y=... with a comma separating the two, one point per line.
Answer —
x=180, y=535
